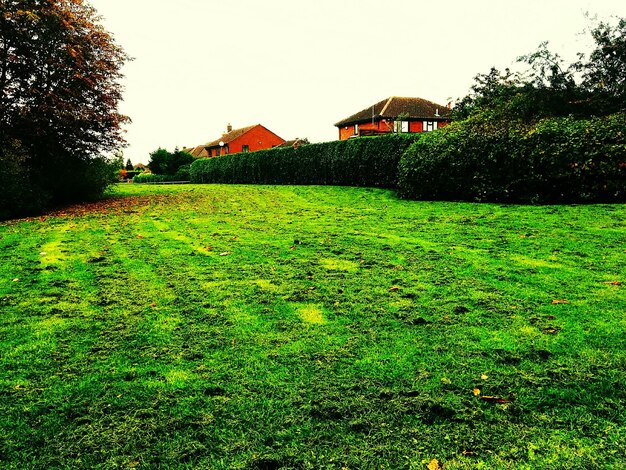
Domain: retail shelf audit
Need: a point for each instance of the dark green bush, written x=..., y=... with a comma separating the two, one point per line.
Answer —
x=152, y=178
x=370, y=161
x=18, y=195
x=182, y=174
x=130, y=174
x=555, y=160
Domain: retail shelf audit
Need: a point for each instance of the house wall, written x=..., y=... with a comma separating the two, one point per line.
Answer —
x=258, y=138
x=345, y=132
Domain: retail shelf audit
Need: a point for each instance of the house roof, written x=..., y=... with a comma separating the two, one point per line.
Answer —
x=229, y=136
x=391, y=108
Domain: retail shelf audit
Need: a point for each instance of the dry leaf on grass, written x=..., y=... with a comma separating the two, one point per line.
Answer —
x=434, y=465
x=560, y=302
x=494, y=399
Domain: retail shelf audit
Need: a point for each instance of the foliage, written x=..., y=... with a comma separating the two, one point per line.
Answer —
x=312, y=327
x=129, y=165
x=17, y=194
x=59, y=91
x=605, y=72
x=152, y=178
x=549, y=87
x=163, y=162
x=555, y=160
x=368, y=161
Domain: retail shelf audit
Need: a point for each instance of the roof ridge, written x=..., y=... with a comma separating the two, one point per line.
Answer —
x=382, y=113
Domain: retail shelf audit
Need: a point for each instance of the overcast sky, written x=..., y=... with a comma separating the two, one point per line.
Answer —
x=298, y=67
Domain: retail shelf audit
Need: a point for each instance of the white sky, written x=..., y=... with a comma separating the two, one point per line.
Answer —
x=298, y=67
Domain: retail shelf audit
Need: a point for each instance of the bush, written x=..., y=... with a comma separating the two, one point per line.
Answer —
x=152, y=178
x=558, y=160
x=367, y=161
x=182, y=174
x=18, y=195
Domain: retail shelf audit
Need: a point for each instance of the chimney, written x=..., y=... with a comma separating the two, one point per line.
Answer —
x=229, y=128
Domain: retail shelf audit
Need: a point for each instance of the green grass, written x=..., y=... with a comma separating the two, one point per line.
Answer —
x=312, y=327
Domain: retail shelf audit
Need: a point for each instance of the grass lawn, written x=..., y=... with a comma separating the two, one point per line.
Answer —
x=312, y=327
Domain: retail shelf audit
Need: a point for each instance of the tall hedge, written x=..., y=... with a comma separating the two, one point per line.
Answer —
x=368, y=161
x=556, y=160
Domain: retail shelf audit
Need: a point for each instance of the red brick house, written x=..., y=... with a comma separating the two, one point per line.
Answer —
x=395, y=114
x=247, y=139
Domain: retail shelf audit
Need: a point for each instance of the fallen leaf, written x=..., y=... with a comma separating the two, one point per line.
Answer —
x=476, y=392
x=226, y=253
x=434, y=465
x=394, y=289
x=559, y=302
x=551, y=330
x=613, y=283
x=16, y=279
x=493, y=399
x=139, y=236
x=208, y=248
x=484, y=377
x=153, y=305
x=43, y=253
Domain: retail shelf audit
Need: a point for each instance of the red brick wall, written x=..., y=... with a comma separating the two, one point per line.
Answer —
x=345, y=132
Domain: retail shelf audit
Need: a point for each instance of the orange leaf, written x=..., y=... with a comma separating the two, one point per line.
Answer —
x=476, y=392
x=559, y=302
x=394, y=289
x=613, y=283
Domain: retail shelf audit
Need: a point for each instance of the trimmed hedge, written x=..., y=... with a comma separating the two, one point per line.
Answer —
x=152, y=178
x=560, y=160
x=366, y=161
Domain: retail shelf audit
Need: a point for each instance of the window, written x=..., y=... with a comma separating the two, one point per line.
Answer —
x=217, y=152
x=356, y=129
x=401, y=126
x=245, y=148
x=429, y=126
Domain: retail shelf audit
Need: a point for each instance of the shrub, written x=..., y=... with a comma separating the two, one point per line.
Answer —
x=555, y=160
x=151, y=178
x=182, y=174
x=367, y=161
x=18, y=196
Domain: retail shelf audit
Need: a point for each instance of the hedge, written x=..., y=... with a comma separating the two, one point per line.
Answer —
x=559, y=160
x=366, y=161
x=152, y=178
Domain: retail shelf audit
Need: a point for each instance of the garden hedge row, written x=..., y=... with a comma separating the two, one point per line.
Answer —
x=554, y=161
x=368, y=161
x=558, y=160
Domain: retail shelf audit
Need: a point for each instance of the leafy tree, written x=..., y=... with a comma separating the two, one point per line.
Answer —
x=604, y=74
x=548, y=88
x=163, y=162
x=129, y=165
x=59, y=93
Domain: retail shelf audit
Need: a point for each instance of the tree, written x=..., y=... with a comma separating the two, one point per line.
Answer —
x=604, y=74
x=163, y=162
x=59, y=93
x=549, y=88
x=129, y=165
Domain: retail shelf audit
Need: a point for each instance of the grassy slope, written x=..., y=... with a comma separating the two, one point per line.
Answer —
x=307, y=327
